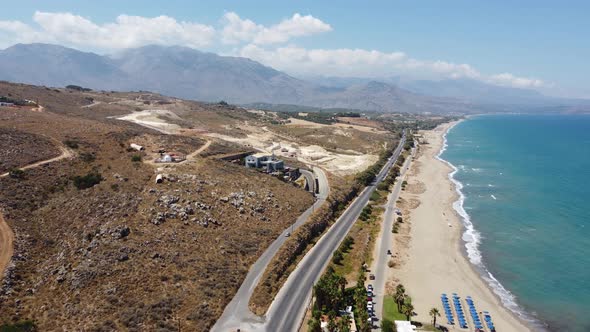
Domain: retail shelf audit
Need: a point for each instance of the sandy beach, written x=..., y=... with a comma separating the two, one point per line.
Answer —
x=429, y=248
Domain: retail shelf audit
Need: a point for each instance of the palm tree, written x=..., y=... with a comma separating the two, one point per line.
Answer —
x=399, y=298
x=400, y=288
x=434, y=312
x=408, y=310
x=344, y=324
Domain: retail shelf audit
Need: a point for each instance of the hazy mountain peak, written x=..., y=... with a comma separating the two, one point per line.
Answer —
x=188, y=73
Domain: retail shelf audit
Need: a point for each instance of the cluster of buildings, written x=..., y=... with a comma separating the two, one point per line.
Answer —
x=264, y=160
x=269, y=163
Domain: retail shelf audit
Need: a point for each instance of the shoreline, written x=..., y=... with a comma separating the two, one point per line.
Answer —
x=436, y=256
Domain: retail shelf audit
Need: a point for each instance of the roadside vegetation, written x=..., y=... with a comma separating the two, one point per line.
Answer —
x=354, y=255
x=299, y=243
x=349, y=266
x=414, y=122
x=305, y=237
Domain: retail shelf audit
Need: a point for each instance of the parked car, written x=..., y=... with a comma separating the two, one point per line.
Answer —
x=370, y=287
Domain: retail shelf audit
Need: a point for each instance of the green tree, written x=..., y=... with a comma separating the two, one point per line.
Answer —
x=87, y=181
x=400, y=296
x=314, y=325
x=399, y=299
x=408, y=310
x=337, y=257
x=344, y=324
x=328, y=291
x=387, y=326
x=332, y=326
x=434, y=313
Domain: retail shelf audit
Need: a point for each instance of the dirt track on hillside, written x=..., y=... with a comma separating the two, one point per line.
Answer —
x=6, y=234
x=65, y=153
x=201, y=149
x=6, y=244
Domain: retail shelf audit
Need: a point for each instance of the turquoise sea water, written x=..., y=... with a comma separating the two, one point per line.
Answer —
x=526, y=203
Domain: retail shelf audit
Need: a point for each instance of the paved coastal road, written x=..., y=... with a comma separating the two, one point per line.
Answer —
x=237, y=314
x=385, y=242
x=288, y=309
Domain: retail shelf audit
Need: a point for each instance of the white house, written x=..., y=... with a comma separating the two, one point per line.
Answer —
x=166, y=158
x=404, y=326
x=265, y=160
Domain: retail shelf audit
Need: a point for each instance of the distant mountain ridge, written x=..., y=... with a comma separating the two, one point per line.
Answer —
x=191, y=74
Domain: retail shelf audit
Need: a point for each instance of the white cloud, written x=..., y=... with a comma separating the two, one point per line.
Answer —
x=238, y=30
x=17, y=32
x=125, y=32
x=353, y=62
x=337, y=62
x=296, y=26
x=372, y=63
x=252, y=40
x=508, y=79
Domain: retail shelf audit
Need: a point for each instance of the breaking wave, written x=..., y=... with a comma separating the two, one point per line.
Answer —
x=472, y=239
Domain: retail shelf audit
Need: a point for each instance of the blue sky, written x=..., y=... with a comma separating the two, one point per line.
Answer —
x=530, y=44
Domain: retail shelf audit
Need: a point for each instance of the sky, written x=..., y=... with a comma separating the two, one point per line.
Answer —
x=541, y=45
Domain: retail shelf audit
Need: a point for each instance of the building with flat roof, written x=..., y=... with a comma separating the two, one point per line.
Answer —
x=264, y=160
x=404, y=326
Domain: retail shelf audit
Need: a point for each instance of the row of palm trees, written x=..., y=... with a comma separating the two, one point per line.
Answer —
x=404, y=305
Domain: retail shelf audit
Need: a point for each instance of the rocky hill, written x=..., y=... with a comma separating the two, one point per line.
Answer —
x=99, y=246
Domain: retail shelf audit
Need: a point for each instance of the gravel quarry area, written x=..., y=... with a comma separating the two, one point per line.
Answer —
x=338, y=163
x=154, y=119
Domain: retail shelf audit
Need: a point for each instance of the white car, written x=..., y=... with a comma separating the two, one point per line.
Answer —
x=369, y=305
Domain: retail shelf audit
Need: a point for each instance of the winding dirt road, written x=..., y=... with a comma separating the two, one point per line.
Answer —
x=6, y=245
x=6, y=234
x=65, y=153
x=201, y=149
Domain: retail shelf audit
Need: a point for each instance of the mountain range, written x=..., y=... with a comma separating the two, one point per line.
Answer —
x=191, y=74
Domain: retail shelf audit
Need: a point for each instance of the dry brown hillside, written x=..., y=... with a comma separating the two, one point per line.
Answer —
x=127, y=253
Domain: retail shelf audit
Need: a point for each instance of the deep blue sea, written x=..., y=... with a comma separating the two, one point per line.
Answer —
x=525, y=185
